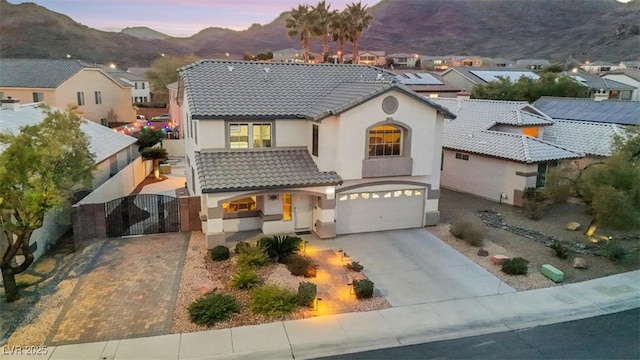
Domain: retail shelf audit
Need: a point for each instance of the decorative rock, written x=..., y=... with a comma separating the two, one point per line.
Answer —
x=482, y=252
x=573, y=226
x=498, y=259
x=580, y=263
x=207, y=288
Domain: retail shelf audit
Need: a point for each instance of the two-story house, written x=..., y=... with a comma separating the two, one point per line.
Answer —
x=405, y=60
x=629, y=77
x=327, y=148
x=99, y=97
x=457, y=61
x=374, y=58
x=140, y=87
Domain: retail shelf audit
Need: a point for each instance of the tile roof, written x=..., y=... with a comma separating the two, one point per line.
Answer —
x=632, y=73
x=597, y=82
x=39, y=73
x=580, y=109
x=103, y=142
x=470, y=131
x=489, y=72
x=244, y=89
x=587, y=137
x=260, y=169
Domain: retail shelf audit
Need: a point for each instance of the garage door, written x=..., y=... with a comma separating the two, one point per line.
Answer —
x=380, y=210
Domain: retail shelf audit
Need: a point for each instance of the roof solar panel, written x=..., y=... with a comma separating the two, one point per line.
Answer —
x=513, y=76
x=418, y=79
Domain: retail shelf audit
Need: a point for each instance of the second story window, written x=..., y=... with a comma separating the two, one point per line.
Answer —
x=80, y=98
x=385, y=140
x=38, y=97
x=249, y=135
x=98, y=97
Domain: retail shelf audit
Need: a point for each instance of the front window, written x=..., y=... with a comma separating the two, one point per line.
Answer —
x=245, y=204
x=249, y=135
x=543, y=170
x=385, y=140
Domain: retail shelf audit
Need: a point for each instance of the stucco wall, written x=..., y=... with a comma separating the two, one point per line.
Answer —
x=485, y=176
x=122, y=184
x=175, y=147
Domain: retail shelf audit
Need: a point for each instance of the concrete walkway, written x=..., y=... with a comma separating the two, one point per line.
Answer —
x=352, y=332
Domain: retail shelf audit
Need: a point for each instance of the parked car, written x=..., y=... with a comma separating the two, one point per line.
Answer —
x=161, y=118
x=141, y=118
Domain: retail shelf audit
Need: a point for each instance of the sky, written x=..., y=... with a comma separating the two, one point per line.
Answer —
x=180, y=18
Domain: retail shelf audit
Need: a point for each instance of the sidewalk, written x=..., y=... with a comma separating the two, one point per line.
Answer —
x=353, y=332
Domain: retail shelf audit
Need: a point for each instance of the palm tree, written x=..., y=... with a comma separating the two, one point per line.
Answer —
x=340, y=31
x=358, y=19
x=323, y=17
x=301, y=22
x=156, y=154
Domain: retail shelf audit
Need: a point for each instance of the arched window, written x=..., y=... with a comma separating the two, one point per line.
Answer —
x=385, y=140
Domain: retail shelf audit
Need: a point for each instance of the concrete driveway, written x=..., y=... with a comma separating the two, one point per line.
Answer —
x=414, y=267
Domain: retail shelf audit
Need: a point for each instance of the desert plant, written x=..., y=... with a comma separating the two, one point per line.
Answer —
x=245, y=278
x=560, y=250
x=272, y=300
x=466, y=231
x=252, y=257
x=241, y=246
x=219, y=253
x=533, y=203
x=363, y=288
x=618, y=253
x=307, y=293
x=279, y=247
x=355, y=266
x=301, y=266
x=212, y=308
x=515, y=266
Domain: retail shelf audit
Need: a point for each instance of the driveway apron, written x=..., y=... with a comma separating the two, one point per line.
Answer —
x=415, y=267
x=128, y=290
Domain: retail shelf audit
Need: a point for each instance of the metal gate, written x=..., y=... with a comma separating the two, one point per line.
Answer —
x=142, y=214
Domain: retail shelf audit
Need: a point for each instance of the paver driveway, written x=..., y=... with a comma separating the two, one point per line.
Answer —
x=128, y=290
x=415, y=267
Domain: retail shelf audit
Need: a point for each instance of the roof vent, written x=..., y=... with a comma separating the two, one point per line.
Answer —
x=230, y=68
x=266, y=71
x=379, y=76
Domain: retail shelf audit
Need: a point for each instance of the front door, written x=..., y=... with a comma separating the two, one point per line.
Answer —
x=302, y=211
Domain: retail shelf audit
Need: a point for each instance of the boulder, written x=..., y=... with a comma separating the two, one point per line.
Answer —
x=483, y=252
x=573, y=226
x=580, y=263
x=498, y=259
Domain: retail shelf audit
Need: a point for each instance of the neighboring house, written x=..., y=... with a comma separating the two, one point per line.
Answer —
x=602, y=89
x=60, y=83
x=140, y=87
x=499, y=62
x=629, y=64
x=628, y=76
x=596, y=67
x=119, y=168
x=457, y=61
x=532, y=64
x=332, y=149
x=594, y=139
x=494, y=149
x=404, y=60
x=434, y=62
x=288, y=55
x=578, y=109
x=373, y=58
x=465, y=78
x=427, y=84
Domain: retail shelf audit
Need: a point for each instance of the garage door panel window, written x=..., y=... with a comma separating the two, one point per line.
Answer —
x=380, y=195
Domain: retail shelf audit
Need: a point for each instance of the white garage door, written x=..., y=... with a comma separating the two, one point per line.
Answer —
x=380, y=210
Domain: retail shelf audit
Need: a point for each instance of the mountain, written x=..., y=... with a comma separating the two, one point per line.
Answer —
x=144, y=33
x=553, y=29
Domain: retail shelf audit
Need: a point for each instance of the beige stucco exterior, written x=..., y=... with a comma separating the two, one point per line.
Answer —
x=114, y=97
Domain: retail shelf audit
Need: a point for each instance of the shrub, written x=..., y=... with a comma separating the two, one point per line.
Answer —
x=301, y=266
x=560, y=250
x=355, y=266
x=533, y=203
x=245, y=278
x=219, y=253
x=279, y=247
x=307, y=293
x=241, y=246
x=515, y=266
x=252, y=257
x=618, y=253
x=363, y=288
x=466, y=231
x=271, y=300
x=212, y=308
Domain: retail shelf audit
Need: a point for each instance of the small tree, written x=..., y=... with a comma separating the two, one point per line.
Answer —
x=41, y=167
x=156, y=154
x=164, y=71
x=148, y=138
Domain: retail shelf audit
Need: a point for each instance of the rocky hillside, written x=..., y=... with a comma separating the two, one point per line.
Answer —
x=553, y=29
